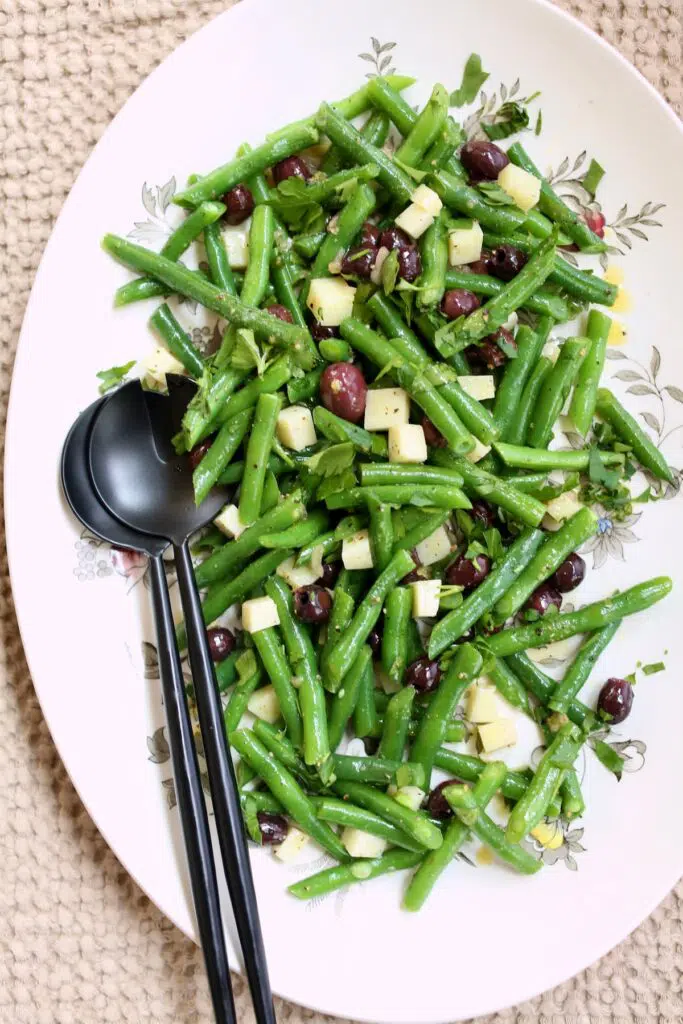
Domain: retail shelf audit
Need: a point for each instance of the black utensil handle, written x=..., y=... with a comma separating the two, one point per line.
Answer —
x=224, y=793
x=191, y=804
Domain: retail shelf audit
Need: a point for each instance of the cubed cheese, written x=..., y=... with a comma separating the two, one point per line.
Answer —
x=362, y=844
x=264, y=704
x=302, y=575
x=236, y=240
x=295, y=427
x=380, y=260
x=434, y=547
x=498, y=734
x=157, y=365
x=521, y=186
x=481, y=388
x=407, y=443
x=428, y=199
x=290, y=848
x=330, y=300
x=228, y=521
x=356, y=551
x=465, y=242
x=414, y=220
x=410, y=796
x=259, y=613
x=481, y=704
x=564, y=506
x=478, y=452
x=386, y=407
x=426, y=598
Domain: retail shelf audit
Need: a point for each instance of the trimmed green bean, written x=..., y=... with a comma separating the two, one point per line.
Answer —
x=271, y=492
x=425, y=528
x=307, y=245
x=631, y=433
x=343, y=606
x=272, y=655
x=177, y=340
x=434, y=250
x=261, y=240
x=555, y=391
x=221, y=452
x=542, y=687
x=518, y=457
x=551, y=770
x=331, y=879
x=442, y=150
x=272, y=380
x=258, y=449
x=416, y=825
x=204, y=407
x=573, y=803
x=435, y=495
x=334, y=350
x=509, y=391
x=468, y=202
x=405, y=341
x=549, y=492
x=396, y=724
x=378, y=771
x=476, y=417
x=346, y=696
x=334, y=428
x=239, y=699
x=283, y=273
x=426, y=128
x=519, y=425
x=585, y=396
x=357, y=209
x=523, y=507
x=544, y=303
x=300, y=534
x=397, y=613
x=469, y=768
x=581, y=667
x=220, y=271
x=381, y=533
x=365, y=713
x=509, y=686
x=341, y=812
x=493, y=836
x=359, y=101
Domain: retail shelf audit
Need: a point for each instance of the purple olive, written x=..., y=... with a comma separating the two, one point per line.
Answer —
x=240, y=204
x=321, y=333
x=489, y=353
x=395, y=238
x=290, y=167
x=370, y=234
x=424, y=674
x=482, y=265
x=329, y=575
x=437, y=804
x=568, y=575
x=506, y=262
x=482, y=512
x=312, y=603
x=281, y=312
x=200, y=450
x=483, y=161
x=273, y=827
x=468, y=572
x=544, y=598
x=359, y=260
x=221, y=643
x=375, y=640
x=459, y=302
x=344, y=391
x=432, y=436
x=616, y=700
x=415, y=575
x=409, y=263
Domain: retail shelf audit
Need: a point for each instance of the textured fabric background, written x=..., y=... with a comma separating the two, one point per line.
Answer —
x=79, y=943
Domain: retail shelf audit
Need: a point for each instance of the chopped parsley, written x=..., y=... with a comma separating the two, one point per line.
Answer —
x=473, y=78
x=593, y=177
x=652, y=669
x=113, y=376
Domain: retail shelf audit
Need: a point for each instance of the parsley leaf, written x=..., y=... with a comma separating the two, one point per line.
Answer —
x=593, y=177
x=113, y=376
x=509, y=119
x=609, y=757
x=413, y=172
x=473, y=78
x=539, y=123
x=598, y=473
x=495, y=195
x=343, y=481
x=390, y=269
x=300, y=211
x=332, y=460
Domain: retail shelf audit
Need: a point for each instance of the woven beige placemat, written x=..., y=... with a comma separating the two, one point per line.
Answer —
x=79, y=942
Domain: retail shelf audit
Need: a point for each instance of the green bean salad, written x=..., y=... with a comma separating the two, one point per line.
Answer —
x=384, y=401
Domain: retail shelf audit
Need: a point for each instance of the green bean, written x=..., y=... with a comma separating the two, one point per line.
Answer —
x=258, y=449
x=378, y=771
x=331, y=879
x=341, y=812
x=271, y=653
x=272, y=380
x=625, y=426
x=334, y=350
x=519, y=425
x=287, y=790
x=581, y=284
x=357, y=209
x=555, y=391
x=219, y=181
x=359, y=151
x=345, y=699
x=387, y=98
x=381, y=533
x=308, y=245
x=416, y=825
x=238, y=551
x=381, y=352
x=523, y=507
x=542, y=688
x=395, y=635
x=226, y=673
x=529, y=347
x=573, y=803
x=538, y=225
x=586, y=620
x=192, y=285
x=552, y=206
x=544, y=303
x=425, y=528
x=437, y=496
x=435, y=863
x=434, y=249
x=530, y=483
x=365, y=713
x=585, y=395
x=220, y=271
x=532, y=805
x=425, y=130
x=509, y=686
x=473, y=414
x=263, y=801
x=282, y=748
x=271, y=492
x=556, y=547
x=551, y=491
x=283, y=273
x=204, y=407
x=359, y=101
x=343, y=606
x=396, y=723
x=469, y=768
x=442, y=150
x=332, y=540
x=177, y=341
x=456, y=622
x=518, y=457
x=227, y=441
x=175, y=246
x=465, y=200
x=239, y=699
x=348, y=646
x=392, y=323
x=334, y=428
x=376, y=128
x=261, y=239
x=499, y=308
x=489, y=833
x=463, y=669
x=300, y=534
x=581, y=667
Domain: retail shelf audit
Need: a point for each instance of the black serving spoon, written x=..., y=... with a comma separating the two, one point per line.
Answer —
x=144, y=483
x=85, y=504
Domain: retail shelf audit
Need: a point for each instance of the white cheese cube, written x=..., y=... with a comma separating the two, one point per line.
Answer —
x=228, y=521
x=481, y=705
x=264, y=704
x=465, y=243
x=434, y=547
x=291, y=847
x=295, y=428
x=428, y=199
x=426, y=598
x=478, y=452
x=386, y=407
x=157, y=365
x=564, y=506
x=414, y=220
x=521, y=186
x=236, y=241
x=407, y=443
x=330, y=300
x=302, y=575
x=362, y=844
x=410, y=796
x=498, y=734
x=481, y=388
x=356, y=551
x=259, y=613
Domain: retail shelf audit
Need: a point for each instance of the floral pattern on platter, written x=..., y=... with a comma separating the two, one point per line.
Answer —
x=555, y=842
